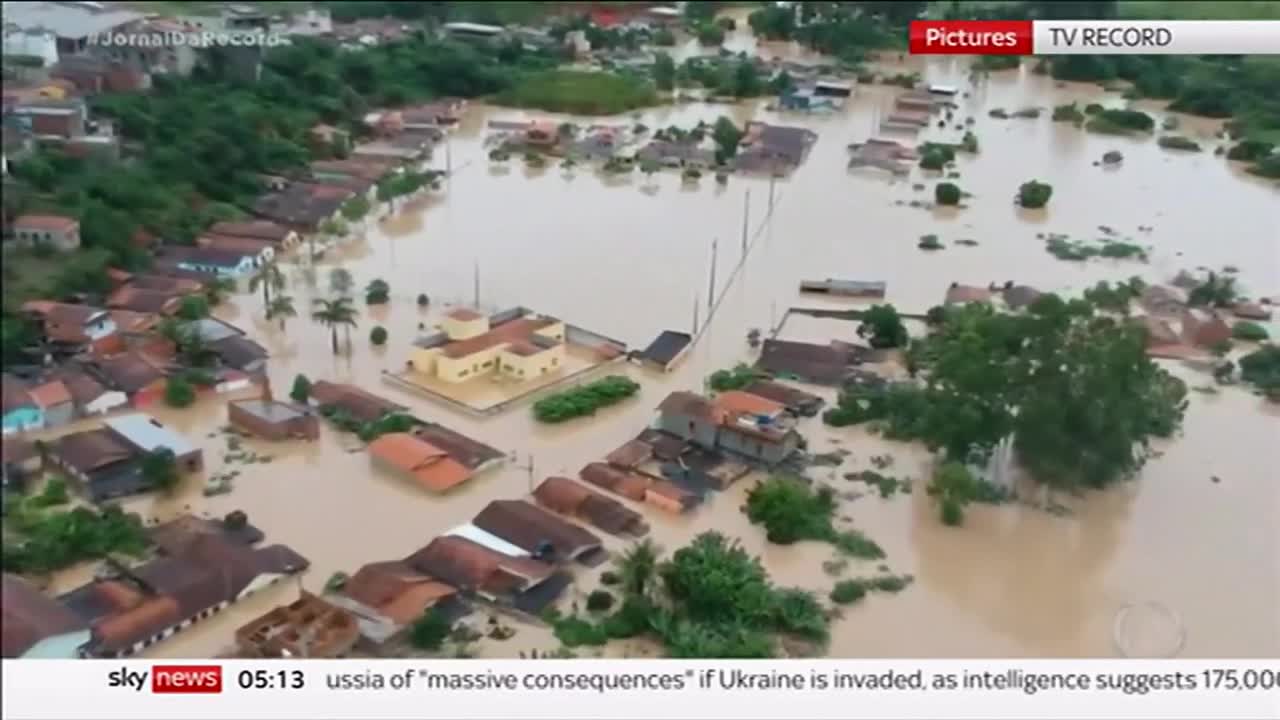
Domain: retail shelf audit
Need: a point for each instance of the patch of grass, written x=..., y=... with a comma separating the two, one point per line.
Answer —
x=848, y=592
x=584, y=400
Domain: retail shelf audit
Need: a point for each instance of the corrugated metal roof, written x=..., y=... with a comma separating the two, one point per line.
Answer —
x=487, y=539
x=148, y=434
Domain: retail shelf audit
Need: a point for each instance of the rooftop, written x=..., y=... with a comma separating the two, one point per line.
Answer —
x=148, y=434
x=272, y=411
x=67, y=19
x=508, y=332
x=428, y=464
x=51, y=223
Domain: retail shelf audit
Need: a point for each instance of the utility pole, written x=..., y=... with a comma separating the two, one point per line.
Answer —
x=773, y=180
x=746, y=222
x=476, y=285
x=711, y=286
x=695, y=315
x=529, y=468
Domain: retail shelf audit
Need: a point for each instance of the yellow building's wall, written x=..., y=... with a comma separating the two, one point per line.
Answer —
x=466, y=368
x=464, y=329
x=552, y=332
x=424, y=360
x=532, y=366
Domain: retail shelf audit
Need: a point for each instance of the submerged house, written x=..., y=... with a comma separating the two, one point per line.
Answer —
x=387, y=598
x=107, y=462
x=308, y=627
x=515, y=344
x=773, y=148
x=144, y=605
x=796, y=401
x=78, y=326
x=411, y=457
x=37, y=626
x=360, y=404
x=562, y=495
x=666, y=350
x=21, y=412
x=735, y=422
x=282, y=237
x=867, y=289
x=808, y=362
x=524, y=583
x=539, y=532
x=273, y=419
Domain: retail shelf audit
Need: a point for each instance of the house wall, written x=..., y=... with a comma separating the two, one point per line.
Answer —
x=531, y=366
x=663, y=502
x=758, y=448
x=64, y=241
x=27, y=418
x=118, y=480
x=59, y=414
x=424, y=360
x=696, y=430
x=465, y=368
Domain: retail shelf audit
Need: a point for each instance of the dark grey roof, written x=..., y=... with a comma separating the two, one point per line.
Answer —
x=667, y=347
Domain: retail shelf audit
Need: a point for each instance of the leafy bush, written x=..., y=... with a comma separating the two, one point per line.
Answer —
x=378, y=335
x=599, y=600
x=936, y=157
x=1250, y=150
x=377, y=292
x=947, y=193
x=301, y=390
x=423, y=300
x=430, y=631
x=193, y=307
x=1120, y=122
x=160, y=469
x=1034, y=194
x=42, y=542
x=883, y=327
x=1068, y=113
x=584, y=400
x=1249, y=332
x=1262, y=369
x=178, y=392
x=54, y=493
x=847, y=592
x=740, y=376
x=1178, y=142
x=573, y=631
x=930, y=242
x=790, y=511
x=710, y=34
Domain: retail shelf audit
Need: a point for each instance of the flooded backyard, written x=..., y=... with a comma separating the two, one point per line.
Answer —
x=630, y=257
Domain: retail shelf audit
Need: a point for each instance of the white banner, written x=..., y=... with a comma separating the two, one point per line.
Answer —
x=570, y=689
x=1156, y=37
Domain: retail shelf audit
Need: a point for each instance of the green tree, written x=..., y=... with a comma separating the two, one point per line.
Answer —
x=726, y=136
x=193, y=307
x=790, y=511
x=340, y=281
x=281, y=308
x=332, y=314
x=160, y=469
x=178, y=392
x=664, y=71
x=637, y=567
x=430, y=631
x=947, y=193
x=709, y=34
x=883, y=327
x=378, y=336
x=1249, y=332
x=953, y=487
x=355, y=208
x=1034, y=194
x=268, y=277
x=746, y=79
x=217, y=289
x=1216, y=291
x=301, y=390
x=377, y=292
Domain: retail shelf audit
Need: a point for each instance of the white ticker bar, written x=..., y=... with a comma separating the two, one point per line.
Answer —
x=1157, y=37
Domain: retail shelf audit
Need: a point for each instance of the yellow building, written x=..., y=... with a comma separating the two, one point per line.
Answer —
x=515, y=345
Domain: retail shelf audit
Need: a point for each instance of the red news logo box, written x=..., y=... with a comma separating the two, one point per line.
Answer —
x=206, y=679
x=971, y=37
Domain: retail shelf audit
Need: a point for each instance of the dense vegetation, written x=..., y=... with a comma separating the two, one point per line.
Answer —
x=584, y=400
x=1034, y=194
x=791, y=511
x=847, y=30
x=1076, y=392
x=580, y=92
x=1262, y=369
x=44, y=541
x=882, y=327
x=709, y=599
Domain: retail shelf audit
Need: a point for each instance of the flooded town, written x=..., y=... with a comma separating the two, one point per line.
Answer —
x=900, y=357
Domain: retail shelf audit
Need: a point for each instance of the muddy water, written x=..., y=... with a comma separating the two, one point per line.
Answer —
x=630, y=257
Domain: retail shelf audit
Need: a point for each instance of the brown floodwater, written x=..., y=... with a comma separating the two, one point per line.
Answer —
x=630, y=257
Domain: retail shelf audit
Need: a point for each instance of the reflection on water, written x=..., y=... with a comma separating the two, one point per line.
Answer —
x=631, y=259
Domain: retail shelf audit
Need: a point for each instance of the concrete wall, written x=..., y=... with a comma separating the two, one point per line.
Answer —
x=531, y=366
x=758, y=448
x=696, y=430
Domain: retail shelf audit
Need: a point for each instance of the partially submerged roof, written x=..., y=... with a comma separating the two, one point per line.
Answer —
x=429, y=465
x=667, y=347
x=395, y=590
x=148, y=434
x=30, y=616
x=130, y=372
x=529, y=527
x=477, y=534
x=91, y=449
x=785, y=394
x=959, y=294
x=468, y=565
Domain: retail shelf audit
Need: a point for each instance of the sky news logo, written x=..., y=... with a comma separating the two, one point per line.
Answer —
x=170, y=679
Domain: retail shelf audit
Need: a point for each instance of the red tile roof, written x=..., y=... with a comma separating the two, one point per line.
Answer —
x=426, y=463
x=51, y=223
x=508, y=332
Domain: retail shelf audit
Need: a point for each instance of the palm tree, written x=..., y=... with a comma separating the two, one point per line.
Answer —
x=267, y=275
x=637, y=567
x=218, y=288
x=281, y=307
x=332, y=313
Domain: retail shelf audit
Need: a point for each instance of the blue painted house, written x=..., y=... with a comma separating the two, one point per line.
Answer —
x=21, y=412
